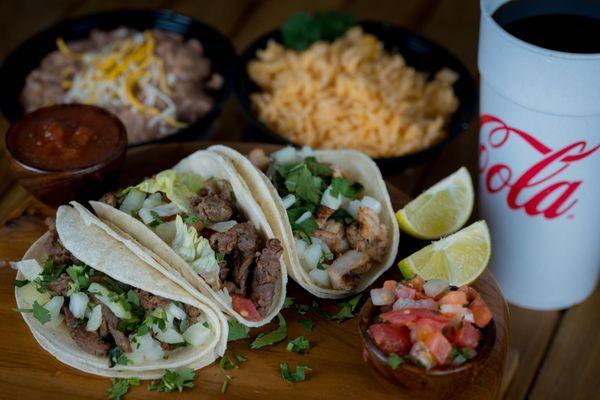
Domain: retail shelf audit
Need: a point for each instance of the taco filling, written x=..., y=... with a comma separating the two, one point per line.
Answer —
x=105, y=317
x=337, y=230
x=199, y=219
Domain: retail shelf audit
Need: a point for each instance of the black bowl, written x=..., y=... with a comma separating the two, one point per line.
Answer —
x=418, y=52
x=29, y=54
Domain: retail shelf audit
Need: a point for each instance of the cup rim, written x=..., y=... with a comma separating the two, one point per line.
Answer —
x=488, y=7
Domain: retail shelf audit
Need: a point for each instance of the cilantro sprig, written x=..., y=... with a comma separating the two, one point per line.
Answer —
x=292, y=377
x=299, y=345
x=237, y=331
x=347, y=310
x=174, y=380
x=120, y=387
x=269, y=338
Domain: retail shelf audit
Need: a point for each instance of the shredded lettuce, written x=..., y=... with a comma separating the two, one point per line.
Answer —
x=196, y=251
x=179, y=187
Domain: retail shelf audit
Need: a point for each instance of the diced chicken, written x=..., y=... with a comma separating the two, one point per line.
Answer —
x=322, y=215
x=369, y=235
x=346, y=270
x=334, y=235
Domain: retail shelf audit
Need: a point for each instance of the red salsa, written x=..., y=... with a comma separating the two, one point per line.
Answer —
x=66, y=137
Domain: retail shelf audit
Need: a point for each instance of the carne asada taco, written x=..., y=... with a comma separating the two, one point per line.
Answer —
x=332, y=209
x=200, y=222
x=96, y=306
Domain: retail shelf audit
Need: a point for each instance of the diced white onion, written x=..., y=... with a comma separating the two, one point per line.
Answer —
x=29, y=268
x=469, y=353
x=451, y=308
x=95, y=319
x=382, y=297
x=166, y=231
x=169, y=335
x=155, y=199
x=53, y=307
x=29, y=294
x=371, y=203
x=184, y=324
x=288, y=200
x=145, y=348
x=301, y=246
x=458, y=360
x=103, y=294
x=409, y=303
x=196, y=334
x=306, y=151
x=146, y=215
x=320, y=277
x=166, y=210
x=223, y=226
x=287, y=155
x=132, y=201
x=176, y=312
x=352, y=208
x=422, y=355
x=435, y=287
x=78, y=302
x=330, y=201
x=321, y=243
x=312, y=255
x=304, y=217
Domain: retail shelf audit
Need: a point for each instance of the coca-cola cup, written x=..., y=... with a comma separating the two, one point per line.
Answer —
x=539, y=160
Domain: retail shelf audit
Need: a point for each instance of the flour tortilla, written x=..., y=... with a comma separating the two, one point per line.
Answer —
x=91, y=245
x=357, y=167
x=144, y=242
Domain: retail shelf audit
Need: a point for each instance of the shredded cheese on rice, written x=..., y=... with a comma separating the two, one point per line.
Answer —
x=351, y=93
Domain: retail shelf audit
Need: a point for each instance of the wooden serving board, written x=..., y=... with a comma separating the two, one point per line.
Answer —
x=339, y=372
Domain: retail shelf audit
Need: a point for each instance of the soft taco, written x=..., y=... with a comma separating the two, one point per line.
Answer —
x=331, y=208
x=199, y=221
x=96, y=306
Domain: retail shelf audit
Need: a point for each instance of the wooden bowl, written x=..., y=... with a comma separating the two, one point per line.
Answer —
x=56, y=187
x=419, y=383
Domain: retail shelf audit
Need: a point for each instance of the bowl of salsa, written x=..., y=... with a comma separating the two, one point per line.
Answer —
x=427, y=337
x=67, y=152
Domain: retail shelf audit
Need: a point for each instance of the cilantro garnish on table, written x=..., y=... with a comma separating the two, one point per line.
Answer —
x=307, y=324
x=347, y=310
x=120, y=387
x=237, y=331
x=298, y=376
x=171, y=380
x=303, y=29
x=299, y=345
x=269, y=338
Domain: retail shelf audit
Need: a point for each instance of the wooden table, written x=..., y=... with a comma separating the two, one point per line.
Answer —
x=559, y=351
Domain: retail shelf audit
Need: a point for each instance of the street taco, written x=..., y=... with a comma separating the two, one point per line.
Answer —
x=331, y=208
x=96, y=306
x=199, y=221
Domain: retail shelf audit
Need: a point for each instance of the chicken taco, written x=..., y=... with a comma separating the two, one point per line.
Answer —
x=199, y=221
x=332, y=209
x=96, y=306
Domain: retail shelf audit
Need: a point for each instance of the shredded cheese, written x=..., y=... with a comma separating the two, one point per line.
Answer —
x=126, y=74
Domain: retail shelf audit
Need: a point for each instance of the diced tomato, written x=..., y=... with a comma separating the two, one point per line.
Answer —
x=390, y=285
x=454, y=297
x=481, y=312
x=405, y=315
x=439, y=346
x=405, y=292
x=245, y=307
x=426, y=327
x=391, y=338
x=466, y=335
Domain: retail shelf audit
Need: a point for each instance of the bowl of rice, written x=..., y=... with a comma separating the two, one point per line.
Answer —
x=377, y=88
x=165, y=75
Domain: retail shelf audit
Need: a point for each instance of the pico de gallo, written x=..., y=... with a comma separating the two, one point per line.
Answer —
x=428, y=323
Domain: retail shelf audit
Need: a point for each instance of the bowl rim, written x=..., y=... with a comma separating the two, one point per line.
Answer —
x=466, y=110
x=481, y=357
x=119, y=152
x=228, y=57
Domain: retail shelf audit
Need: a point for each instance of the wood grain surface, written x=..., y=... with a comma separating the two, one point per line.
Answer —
x=335, y=356
x=550, y=345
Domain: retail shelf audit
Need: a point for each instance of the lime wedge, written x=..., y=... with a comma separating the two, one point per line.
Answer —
x=441, y=210
x=459, y=258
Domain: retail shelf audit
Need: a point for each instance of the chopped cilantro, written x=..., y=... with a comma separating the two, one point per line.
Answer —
x=289, y=301
x=120, y=387
x=303, y=29
x=298, y=376
x=226, y=364
x=116, y=356
x=171, y=380
x=133, y=298
x=340, y=186
x=307, y=324
x=299, y=345
x=269, y=338
x=304, y=184
x=237, y=331
x=80, y=276
x=240, y=358
x=324, y=257
x=343, y=216
x=348, y=308
x=21, y=282
x=317, y=168
x=394, y=360
x=302, y=308
x=320, y=312
x=225, y=384
x=39, y=312
x=157, y=219
x=191, y=219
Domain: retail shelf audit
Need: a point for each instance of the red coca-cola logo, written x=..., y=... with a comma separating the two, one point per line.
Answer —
x=538, y=190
